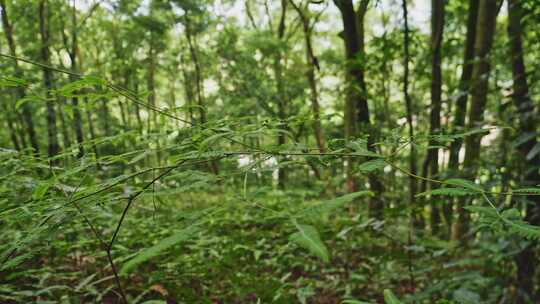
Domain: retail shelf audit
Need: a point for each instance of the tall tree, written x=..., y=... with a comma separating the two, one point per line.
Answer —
x=460, y=108
x=409, y=115
x=485, y=29
x=312, y=63
x=280, y=90
x=437, y=29
x=356, y=111
x=526, y=115
x=73, y=52
x=47, y=78
x=26, y=110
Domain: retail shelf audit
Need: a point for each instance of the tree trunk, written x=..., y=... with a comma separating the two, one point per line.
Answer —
x=312, y=63
x=77, y=121
x=485, y=28
x=415, y=217
x=26, y=108
x=199, y=89
x=464, y=85
x=281, y=95
x=463, y=90
x=526, y=259
x=11, y=125
x=47, y=78
x=356, y=110
x=63, y=126
x=437, y=27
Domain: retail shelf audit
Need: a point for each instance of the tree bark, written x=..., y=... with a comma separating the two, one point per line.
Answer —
x=26, y=108
x=77, y=121
x=464, y=85
x=312, y=63
x=281, y=95
x=47, y=78
x=526, y=259
x=485, y=28
x=413, y=185
x=356, y=112
x=199, y=88
x=437, y=28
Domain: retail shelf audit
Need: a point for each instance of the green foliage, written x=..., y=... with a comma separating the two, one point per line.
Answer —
x=308, y=237
x=390, y=297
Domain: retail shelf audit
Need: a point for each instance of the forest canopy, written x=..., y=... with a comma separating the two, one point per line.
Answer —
x=269, y=151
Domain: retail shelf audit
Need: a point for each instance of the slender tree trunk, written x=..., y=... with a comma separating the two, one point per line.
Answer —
x=485, y=28
x=356, y=110
x=416, y=218
x=199, y=89
x=198, y=75
x=92, y=131
x=63, y=125
x=312, y=63
x=460, y=108
x=188, y=92
x=19, y=124
x=464, y=85
x=77, y=121
x=47, y=78
x=437, y=27
x=11, y=125
x=526, y=259
x=281, y=95
x=26, y=108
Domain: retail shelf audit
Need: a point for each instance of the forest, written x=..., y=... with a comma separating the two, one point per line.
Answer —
x=270, y=151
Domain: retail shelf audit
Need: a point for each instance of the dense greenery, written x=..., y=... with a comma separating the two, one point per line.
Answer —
x=269, y=151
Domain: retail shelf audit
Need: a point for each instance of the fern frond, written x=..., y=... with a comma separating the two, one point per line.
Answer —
x=308, y=237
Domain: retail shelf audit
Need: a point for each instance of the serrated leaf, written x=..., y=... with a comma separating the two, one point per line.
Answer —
x=488, y=211
x=524, y=229
x=372, y=165
x=308, y=237
x=390, y=297
x=155, y=250
x=467, y=184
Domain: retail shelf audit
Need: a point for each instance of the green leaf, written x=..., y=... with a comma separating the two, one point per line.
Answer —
x=10, y=81
x=40, y=191
x=155, y=250
x=390, y=297
x=463, y=183
x=325, y=207
x=523, y=138
x=524, y=229
x=351, y=301
x=25, y=100
x=466, y=296
x=372, y=165
x=448, y=192
x=486, y=211
x=70, y=89
x=527, y=190
x=308, y=237
x=534, y=151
